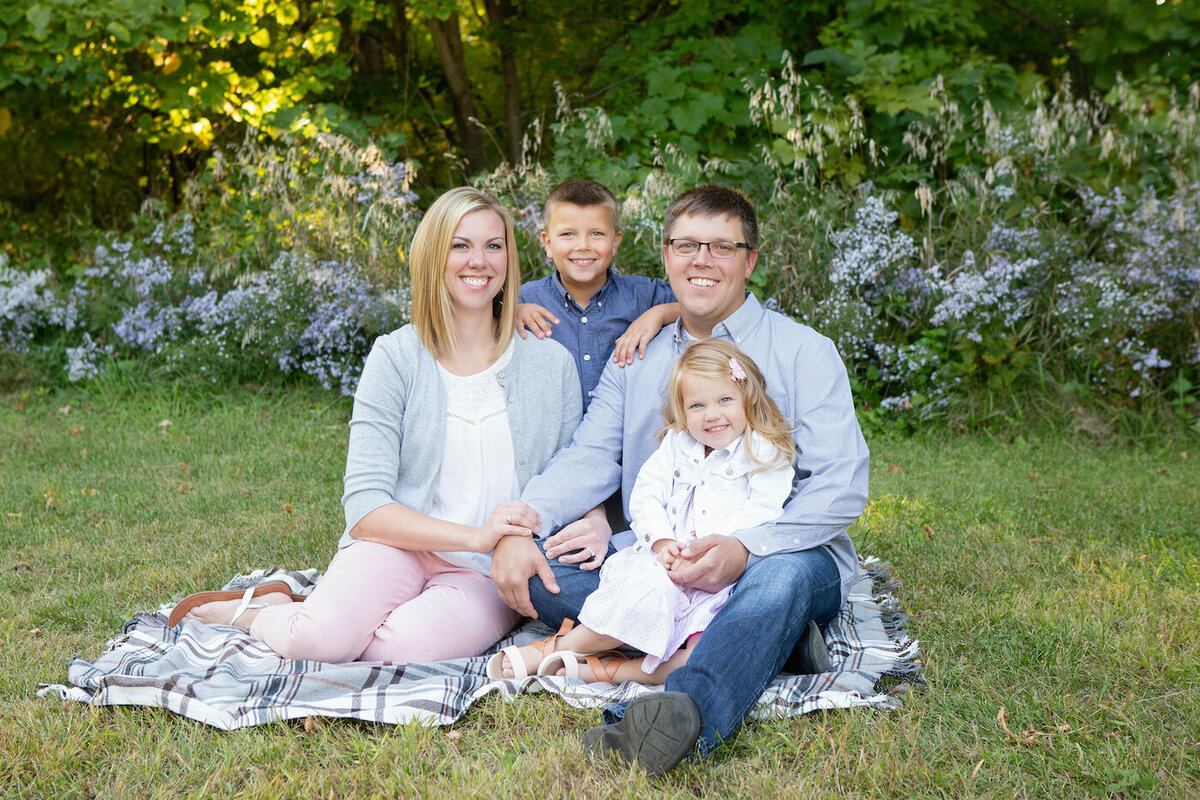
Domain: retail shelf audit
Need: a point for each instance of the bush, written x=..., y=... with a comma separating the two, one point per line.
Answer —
x=1047, y=250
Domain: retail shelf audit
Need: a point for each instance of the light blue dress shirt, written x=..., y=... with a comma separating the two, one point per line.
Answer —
x=806, y=378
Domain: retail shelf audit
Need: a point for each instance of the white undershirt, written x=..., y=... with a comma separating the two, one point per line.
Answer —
x=478, y=465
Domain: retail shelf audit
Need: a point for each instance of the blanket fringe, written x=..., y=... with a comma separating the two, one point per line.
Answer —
x=908, y=670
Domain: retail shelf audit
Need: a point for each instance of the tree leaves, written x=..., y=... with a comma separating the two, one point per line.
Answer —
x=39, y=17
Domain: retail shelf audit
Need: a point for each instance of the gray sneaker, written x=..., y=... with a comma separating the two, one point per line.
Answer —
x=811, y=656
x=657, y=732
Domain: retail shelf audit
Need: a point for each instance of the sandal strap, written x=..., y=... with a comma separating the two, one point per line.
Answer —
x=550, y=644
x=246, y=605
x=602, y=671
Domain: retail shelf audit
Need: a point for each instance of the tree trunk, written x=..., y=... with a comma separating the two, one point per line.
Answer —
x=447, y=40
x=501, y=13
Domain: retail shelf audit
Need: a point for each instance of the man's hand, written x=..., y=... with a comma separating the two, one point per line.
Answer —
x=583, y=542
x=710, y=564
x=515, y=560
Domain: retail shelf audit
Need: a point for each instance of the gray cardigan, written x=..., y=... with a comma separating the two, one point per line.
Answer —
x=398, y=428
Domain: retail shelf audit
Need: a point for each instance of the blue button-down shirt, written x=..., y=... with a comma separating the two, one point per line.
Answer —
x=806, y=378
x=590, y=333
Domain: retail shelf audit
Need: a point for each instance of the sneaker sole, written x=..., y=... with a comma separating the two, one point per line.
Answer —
x=657, y=732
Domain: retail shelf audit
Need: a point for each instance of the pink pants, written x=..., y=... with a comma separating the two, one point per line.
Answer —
x=378, y=603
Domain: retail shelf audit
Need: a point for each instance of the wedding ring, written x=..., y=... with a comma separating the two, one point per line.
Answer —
x=510, y=519
x=591, y=555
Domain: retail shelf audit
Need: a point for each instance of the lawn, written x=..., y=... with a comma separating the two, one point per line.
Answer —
x=1053, y=584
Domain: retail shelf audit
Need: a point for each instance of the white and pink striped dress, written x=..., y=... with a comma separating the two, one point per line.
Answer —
x=681, y=494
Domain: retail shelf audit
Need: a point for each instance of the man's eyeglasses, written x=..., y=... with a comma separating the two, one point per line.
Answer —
x=685, y=248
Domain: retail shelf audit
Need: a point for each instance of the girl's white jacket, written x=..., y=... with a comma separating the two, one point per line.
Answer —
x=732, y=492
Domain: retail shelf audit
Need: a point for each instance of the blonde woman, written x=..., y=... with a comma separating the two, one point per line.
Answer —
x=452, y=417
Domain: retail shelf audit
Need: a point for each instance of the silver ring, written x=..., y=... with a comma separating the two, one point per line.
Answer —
x=591, y=555
x=510, y=519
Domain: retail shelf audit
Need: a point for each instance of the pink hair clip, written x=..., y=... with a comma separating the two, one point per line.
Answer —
x=736, y=373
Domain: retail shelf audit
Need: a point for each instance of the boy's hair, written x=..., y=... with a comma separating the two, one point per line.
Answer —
x=582, y=193
x=713, y=200
x=431, y=310
x=709, y=358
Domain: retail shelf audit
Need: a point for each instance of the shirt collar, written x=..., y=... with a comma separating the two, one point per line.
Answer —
x=735, y=328
x=602, y=294
x=694, y=447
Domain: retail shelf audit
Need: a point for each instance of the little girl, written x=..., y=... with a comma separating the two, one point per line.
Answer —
x=724, y=465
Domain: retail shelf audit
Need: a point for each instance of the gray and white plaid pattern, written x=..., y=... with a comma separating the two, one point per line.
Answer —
x=218, y=675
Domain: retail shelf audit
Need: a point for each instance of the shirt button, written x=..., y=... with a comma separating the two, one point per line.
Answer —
x=587, y=357
x=676, y=473
x=729, y=470
x=583, y=319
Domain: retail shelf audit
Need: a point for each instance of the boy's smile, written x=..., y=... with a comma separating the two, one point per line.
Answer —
x=582, y=242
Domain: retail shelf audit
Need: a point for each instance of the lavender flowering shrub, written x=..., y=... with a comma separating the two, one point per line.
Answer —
x=1050, y=249
x=1112, y=306
x=298, y=317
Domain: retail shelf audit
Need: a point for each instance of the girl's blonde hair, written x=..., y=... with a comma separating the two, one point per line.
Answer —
x=710, y=358
x=431, y=310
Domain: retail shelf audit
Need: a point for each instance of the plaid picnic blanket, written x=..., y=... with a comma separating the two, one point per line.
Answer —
x=218, y=675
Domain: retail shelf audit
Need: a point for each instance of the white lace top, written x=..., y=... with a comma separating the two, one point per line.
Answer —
x=478, y=465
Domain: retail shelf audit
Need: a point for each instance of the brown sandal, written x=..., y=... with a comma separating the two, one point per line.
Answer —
x=185, y=605
x=545, y=646
x=602, y=671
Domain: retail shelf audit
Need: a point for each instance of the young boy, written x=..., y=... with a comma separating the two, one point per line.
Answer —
x=599, y=310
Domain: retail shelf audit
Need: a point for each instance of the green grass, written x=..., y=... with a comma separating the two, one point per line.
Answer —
x=1055, y=579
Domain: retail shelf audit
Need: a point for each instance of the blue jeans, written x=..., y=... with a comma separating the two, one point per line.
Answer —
x=746, y=645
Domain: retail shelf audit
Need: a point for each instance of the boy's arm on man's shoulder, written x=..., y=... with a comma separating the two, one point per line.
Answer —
x=662, y=292
x=642, y=330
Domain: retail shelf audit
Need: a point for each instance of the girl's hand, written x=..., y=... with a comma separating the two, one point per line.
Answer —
x=668, y=552
x=536, y=319
x=583, y=542
x=511, y=518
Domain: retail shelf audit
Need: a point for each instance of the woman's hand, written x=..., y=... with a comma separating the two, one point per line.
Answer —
x=583, y=542
x=511, y=518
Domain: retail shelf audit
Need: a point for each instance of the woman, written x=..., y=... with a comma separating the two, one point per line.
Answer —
x=451, y=418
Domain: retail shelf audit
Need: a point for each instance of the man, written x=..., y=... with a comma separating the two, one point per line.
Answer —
x=789, y=573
